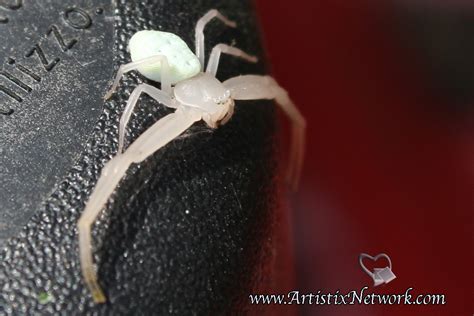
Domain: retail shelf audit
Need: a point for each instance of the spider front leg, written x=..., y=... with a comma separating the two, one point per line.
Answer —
x=251, y=87
x=154, y=138
x=165, y=80
x=153, y=92
x=213, y=63
x=110, y=176
x=162, y=132
x=199, y=32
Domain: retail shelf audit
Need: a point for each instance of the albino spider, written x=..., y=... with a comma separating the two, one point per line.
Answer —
x=196, y=95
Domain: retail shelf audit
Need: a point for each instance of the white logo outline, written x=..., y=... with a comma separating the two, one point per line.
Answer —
x=380, y=275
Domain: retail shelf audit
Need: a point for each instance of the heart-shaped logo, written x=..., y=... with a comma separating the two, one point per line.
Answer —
x=380, y=276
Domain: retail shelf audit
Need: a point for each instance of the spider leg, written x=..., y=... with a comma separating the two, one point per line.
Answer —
x=162, y=132
x=250, y=87
x=110, y=176
x=213, y=62
x=165, y=81
x=157, y=136
x=199, y=32
x=153, y=92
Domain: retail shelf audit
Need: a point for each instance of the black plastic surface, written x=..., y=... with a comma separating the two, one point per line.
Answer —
x=48, y=110
x=187, y=228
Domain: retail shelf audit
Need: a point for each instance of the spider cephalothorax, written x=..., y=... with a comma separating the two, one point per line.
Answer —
x=196, y=95
x=205, y=92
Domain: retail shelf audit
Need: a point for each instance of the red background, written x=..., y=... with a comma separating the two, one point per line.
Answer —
x=389, y=166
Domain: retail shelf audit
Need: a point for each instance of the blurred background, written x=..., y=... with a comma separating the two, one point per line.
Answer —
x=387, y=88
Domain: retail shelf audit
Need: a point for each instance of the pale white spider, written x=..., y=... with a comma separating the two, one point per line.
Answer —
x=196, y=95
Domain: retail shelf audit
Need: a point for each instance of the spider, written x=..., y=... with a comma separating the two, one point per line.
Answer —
x=196, y=95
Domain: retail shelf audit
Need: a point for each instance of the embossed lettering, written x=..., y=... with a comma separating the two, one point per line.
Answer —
x=5, y=111
x=15, y=6
x=73, y=16
x=10, y=93
x=64, y=46
x=24, y=70
x=15, y=80
x=48, y=66
x=77, y=18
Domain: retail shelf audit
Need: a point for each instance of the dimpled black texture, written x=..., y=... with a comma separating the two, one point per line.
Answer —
x=186, y=230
